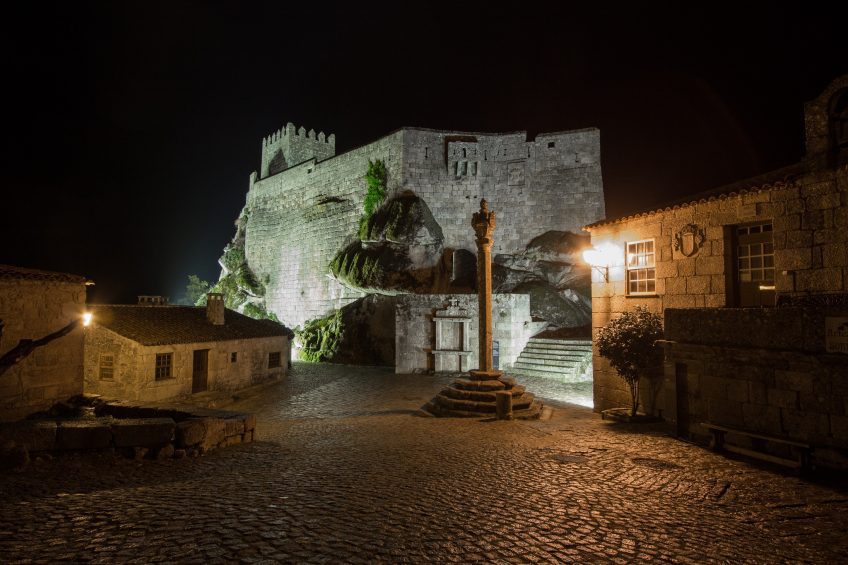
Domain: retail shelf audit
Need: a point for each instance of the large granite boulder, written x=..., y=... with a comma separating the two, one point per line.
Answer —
x=400, y=250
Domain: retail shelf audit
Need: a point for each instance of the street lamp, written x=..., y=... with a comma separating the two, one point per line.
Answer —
x=602, y=257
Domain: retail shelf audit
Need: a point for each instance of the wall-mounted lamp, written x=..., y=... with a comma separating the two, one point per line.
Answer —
x=86, y=319
x=601, y=257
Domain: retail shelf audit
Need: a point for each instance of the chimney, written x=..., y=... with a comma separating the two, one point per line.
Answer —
x=215, y=308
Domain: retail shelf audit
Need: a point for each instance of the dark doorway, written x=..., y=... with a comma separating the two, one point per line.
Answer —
x=200, y=371
x=464, y=269
x=754, y=265
x=681, y=376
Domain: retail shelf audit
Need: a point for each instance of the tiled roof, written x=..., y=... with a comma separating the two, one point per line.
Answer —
x=10, y=272
x=167, y=325
x=780, y=178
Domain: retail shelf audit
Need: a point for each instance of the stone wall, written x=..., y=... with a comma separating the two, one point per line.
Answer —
x=761, y=370
x=134, y=365
x=415, y=328
x=297, y=220
x=810, y=221
x=32, y=310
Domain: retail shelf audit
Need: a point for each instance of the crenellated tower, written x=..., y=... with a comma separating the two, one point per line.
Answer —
x=289, y=146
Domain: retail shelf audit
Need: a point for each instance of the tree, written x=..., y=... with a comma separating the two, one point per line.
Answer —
x=195, y=289
x=629, y=343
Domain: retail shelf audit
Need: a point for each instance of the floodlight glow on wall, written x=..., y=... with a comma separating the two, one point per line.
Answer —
x=601, y=257
x=86, y=318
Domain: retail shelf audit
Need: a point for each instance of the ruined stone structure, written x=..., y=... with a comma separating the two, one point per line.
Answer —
x=33, y=304
x=306, y=203
x=781, y=241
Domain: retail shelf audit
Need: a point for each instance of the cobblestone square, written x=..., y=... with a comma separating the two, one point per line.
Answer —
x=346, y=470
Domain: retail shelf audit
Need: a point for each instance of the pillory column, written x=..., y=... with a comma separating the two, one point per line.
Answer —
x=484, y=225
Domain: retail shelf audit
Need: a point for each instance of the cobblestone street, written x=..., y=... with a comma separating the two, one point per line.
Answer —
x=345, y=470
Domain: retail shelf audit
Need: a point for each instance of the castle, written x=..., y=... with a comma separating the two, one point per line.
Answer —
x=306, y=202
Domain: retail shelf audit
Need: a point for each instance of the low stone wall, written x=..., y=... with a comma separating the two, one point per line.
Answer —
x=760, y=370
x=135, y=430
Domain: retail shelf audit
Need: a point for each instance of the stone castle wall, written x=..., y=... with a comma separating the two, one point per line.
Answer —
x=32, y=310
x=298, y=219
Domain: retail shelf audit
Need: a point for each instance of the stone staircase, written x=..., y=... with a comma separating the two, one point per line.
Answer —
x=566, y=360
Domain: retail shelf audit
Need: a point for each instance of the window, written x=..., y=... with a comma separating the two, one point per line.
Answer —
x=163, y=365
x=274, y=359
x=233, y=356
x=641, y=267
x=754, y=265
x=107, y=366
x=756, y=258
x=551, y=144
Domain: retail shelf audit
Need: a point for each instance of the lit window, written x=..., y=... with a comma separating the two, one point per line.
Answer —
x=233, y=357
x=163, y=365
x=641, y=267
x=274, y=359
x=107, y=366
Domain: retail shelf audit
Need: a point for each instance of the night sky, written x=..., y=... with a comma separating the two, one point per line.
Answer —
x=131, y=128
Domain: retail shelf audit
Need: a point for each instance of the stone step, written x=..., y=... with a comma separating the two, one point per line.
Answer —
x=557, y=346
x=446, y=402
x=478, y=396
x=485, y=386
x=575, y=377
x=561, y=341
x=552, y=359
x=547, y=369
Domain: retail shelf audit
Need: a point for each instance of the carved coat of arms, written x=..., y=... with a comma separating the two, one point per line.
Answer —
x=689, y=240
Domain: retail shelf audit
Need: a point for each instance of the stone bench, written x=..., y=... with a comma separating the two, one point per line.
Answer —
x=800, y=450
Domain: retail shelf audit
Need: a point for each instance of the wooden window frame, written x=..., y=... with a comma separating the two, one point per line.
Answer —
x=106, y=367
x=642, y=265
x=163, y=368
x=275, y=356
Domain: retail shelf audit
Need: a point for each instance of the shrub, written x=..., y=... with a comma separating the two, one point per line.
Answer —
x=629, y=343
x=320, y=338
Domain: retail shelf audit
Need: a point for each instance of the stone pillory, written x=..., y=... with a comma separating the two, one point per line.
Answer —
x=484, y=223
x=486, y=391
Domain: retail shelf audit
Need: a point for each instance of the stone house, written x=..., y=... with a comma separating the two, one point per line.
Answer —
x=151, y=353
x=35, y=304
x=751, y=280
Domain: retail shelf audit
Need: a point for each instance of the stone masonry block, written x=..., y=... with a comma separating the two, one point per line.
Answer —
x=686, y=267
x=757, y=392
x=675, y=285
x=698, y=285
x=709, y=265
x=804, y=425
x=190, y=432
x=724, y=413
x=760, y=418
x=793, y=380
x=782, y=398
x=84, y=434
x=35, y=435
x=793, y=259
x=143, y=432
x=839, y=429
x=737, y=391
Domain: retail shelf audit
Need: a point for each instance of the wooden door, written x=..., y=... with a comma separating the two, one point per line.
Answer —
x=200, y=370
x=681, y=381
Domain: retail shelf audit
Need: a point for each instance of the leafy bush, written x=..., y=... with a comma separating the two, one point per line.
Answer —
x=320, y=338
x=375, y=178
x=629, y=343
x=233, y=257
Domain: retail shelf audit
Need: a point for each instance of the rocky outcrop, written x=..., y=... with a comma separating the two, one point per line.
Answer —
x=552, y=272
x=401, y=250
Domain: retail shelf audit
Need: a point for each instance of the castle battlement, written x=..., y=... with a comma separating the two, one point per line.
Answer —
x=289, y=146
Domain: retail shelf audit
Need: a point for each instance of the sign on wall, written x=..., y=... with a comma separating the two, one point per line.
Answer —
x=836, y=334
